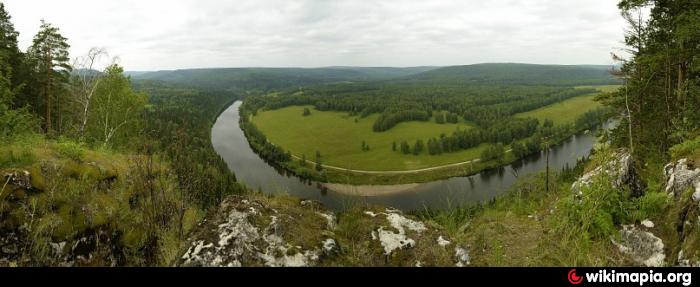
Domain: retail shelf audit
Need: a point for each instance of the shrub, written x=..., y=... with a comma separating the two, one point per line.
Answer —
x=649, y=205
x=70, y=149
x=686, y=149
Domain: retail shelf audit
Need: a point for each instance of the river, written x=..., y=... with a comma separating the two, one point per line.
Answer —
x=230, y=142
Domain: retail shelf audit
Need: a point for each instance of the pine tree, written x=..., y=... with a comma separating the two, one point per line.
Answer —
x=10, y=55
x=49, y=57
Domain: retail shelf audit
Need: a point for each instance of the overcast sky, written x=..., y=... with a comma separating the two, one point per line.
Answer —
x=175, y=34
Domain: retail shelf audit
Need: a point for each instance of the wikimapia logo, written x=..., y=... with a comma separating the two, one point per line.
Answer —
x=641, y=278
x=573, y=278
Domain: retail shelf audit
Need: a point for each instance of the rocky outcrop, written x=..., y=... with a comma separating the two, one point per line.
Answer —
x=643, y=247
x=683, y=188
x=248, y=233
x=620, y=168
x=396, y=237
x=263, y=232
x=680, y=175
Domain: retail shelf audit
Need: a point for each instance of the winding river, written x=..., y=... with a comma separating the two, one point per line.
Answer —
x=230, y=142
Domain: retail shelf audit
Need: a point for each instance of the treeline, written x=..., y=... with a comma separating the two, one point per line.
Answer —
x=524, y=136
x=264, y=148
x=448, y=117
x=388, y=120
x=505, y=133
x=479, y=104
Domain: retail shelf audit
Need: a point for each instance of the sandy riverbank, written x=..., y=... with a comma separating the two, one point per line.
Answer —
x=370, y=190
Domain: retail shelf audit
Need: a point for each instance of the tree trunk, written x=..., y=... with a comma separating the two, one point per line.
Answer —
x=49, y=106
x=629, y=119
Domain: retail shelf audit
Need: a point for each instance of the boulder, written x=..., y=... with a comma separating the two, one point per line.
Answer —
x=642, y=247
x=396, y=237
x=620, y=168
x=462, y=256
x=249, y=233
x=680, y=175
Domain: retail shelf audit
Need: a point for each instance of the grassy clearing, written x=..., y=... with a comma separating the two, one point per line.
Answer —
x=563, y=112
x=602, y=88
x=339, y=139
x=568, y=111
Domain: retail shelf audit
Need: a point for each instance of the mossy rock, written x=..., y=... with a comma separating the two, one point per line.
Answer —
x=37, y=178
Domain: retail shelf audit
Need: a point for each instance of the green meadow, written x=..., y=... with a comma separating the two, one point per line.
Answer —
x=569, y=110
x=563, y=112
x=339, y=137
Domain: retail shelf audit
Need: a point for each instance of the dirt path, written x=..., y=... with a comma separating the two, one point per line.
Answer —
x=394, y=171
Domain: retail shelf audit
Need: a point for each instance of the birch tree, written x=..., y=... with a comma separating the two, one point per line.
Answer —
x=85, y=83
x=117, y=110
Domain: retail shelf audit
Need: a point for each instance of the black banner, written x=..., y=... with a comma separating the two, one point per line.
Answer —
x=429, y=277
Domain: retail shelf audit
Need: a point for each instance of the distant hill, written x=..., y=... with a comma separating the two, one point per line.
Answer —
x=274, y=78
x=239, y=79
x=521, y=74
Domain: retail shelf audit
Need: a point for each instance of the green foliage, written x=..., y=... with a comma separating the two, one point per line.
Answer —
x=13, y=122
x=319, y=165
x=662, y=83
x=493, y=152
x=405, y=147
x=418, y=147
x=116, y=117
x=649, y=205
x=70, y=149
x=690, y=148
x=180, y=128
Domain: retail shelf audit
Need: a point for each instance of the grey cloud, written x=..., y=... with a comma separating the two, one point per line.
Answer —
x=159, y=34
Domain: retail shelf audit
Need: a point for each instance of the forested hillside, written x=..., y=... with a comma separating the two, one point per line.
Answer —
x=265, y=79
x=520, y=74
